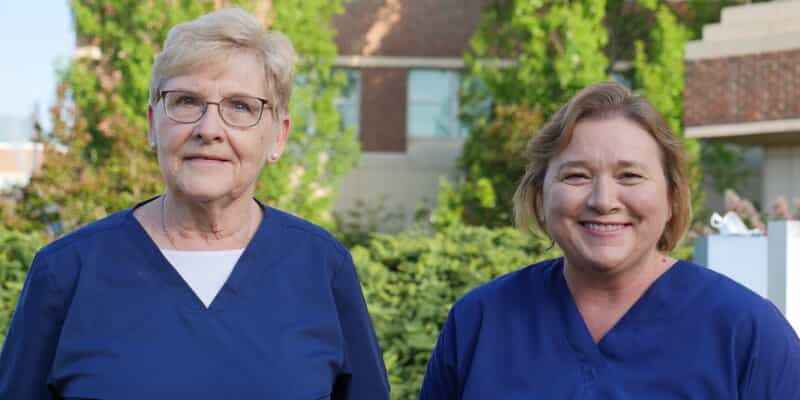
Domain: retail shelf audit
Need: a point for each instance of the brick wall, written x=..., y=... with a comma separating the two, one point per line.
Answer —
x=399, y=28
x=409, y=28
x=383, y=109
x=758, y=87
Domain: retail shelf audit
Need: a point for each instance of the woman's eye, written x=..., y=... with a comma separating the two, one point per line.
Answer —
x=630, y=176
x=187, y=101
x=575, y=177
x=241, y=106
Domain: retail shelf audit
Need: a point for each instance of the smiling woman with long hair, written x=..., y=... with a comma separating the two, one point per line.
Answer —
x=202, y=292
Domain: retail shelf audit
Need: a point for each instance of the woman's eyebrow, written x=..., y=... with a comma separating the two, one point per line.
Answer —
x=573, y=164
x=632, y=163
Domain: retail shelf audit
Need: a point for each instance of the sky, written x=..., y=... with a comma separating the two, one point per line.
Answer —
x=36, y=36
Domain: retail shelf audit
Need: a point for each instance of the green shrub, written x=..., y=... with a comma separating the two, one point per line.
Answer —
x=410, y=281
x=16, y=253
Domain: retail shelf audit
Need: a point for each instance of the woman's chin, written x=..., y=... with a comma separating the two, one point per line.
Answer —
x=604, y=262
x=204, y=193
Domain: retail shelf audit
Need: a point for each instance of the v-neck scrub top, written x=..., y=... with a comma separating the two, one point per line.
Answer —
x=694, y=334
x=103, y=315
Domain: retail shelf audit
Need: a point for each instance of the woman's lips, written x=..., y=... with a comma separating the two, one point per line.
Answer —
x=603, y=228
x=202, y=158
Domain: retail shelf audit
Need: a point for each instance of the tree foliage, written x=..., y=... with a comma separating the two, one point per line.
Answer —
x=559, y=47
x=97, y=160
x=16, y=254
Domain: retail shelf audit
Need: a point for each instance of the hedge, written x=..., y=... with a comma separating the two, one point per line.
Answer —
x=410, y=281
x=16, y=253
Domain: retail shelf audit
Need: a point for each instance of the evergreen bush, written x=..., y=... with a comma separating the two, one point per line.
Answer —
x=410, y=281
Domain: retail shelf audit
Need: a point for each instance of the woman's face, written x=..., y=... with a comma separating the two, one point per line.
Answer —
x=209, y=159
x=605, y=199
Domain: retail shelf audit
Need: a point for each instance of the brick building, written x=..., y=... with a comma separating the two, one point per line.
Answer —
x=403, y=60
x=743, y=86
x=19, y=157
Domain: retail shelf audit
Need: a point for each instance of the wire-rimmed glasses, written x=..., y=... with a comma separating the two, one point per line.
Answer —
x=238, y=111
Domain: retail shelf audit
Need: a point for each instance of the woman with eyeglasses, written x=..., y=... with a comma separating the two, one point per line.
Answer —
x=202, y=292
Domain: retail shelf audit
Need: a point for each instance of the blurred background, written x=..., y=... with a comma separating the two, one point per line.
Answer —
x=410, y=117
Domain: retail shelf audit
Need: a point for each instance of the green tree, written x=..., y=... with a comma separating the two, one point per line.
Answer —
x=557, y=48
x=658, y=74
x=97, y=160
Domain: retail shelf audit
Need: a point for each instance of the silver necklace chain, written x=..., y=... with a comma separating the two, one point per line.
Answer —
x=164, y=223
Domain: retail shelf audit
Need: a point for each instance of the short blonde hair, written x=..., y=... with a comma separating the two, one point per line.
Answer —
x=604, y=100
x=216, y=37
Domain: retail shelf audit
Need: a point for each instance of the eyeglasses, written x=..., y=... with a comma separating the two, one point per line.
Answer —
x=238, y=111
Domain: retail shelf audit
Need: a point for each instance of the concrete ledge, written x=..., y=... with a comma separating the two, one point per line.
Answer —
x=722, y=32
x=765, y=12
x=401, y=181
x=411, y=62
x=749, y=29
x=701, y=49
x=787, y=126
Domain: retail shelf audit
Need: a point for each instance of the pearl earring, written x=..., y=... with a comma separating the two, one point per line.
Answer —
x=274, y=157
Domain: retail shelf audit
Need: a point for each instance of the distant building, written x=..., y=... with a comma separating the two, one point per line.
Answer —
x=743, y=86
x=403, y=59
x=19, y=157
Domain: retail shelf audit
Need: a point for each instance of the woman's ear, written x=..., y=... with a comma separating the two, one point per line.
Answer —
x=151, y=136
x=281, y=138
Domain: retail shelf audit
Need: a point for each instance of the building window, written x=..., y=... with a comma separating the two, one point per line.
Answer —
x=433, y=103
x=349, y=100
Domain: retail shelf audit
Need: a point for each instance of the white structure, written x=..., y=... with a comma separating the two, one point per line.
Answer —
x=768, y=265
x=783, y=276
x=403, y=181
x=18, y=161
x=19, y=157
x=742, y=258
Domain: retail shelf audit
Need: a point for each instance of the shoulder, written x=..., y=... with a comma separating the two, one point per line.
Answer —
x=752, y=318
x=91, y=234
x=60, y=262
x=300, y=232
x=510, y=289
x=764, y=345
x=728, y=298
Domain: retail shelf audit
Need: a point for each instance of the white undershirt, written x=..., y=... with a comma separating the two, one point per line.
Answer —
x=204, y=271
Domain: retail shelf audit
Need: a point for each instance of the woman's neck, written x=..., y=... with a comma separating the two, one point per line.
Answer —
x=213, y=225
x=603, y=298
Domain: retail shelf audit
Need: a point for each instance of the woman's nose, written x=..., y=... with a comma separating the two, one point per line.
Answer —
x=604, y=199
x=210, y=127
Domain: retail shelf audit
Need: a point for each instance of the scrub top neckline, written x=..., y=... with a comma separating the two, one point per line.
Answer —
x=185, y=296
x=655, y=297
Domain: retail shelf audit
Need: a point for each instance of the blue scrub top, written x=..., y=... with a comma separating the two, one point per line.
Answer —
x=103, y=315
x=694, y=334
